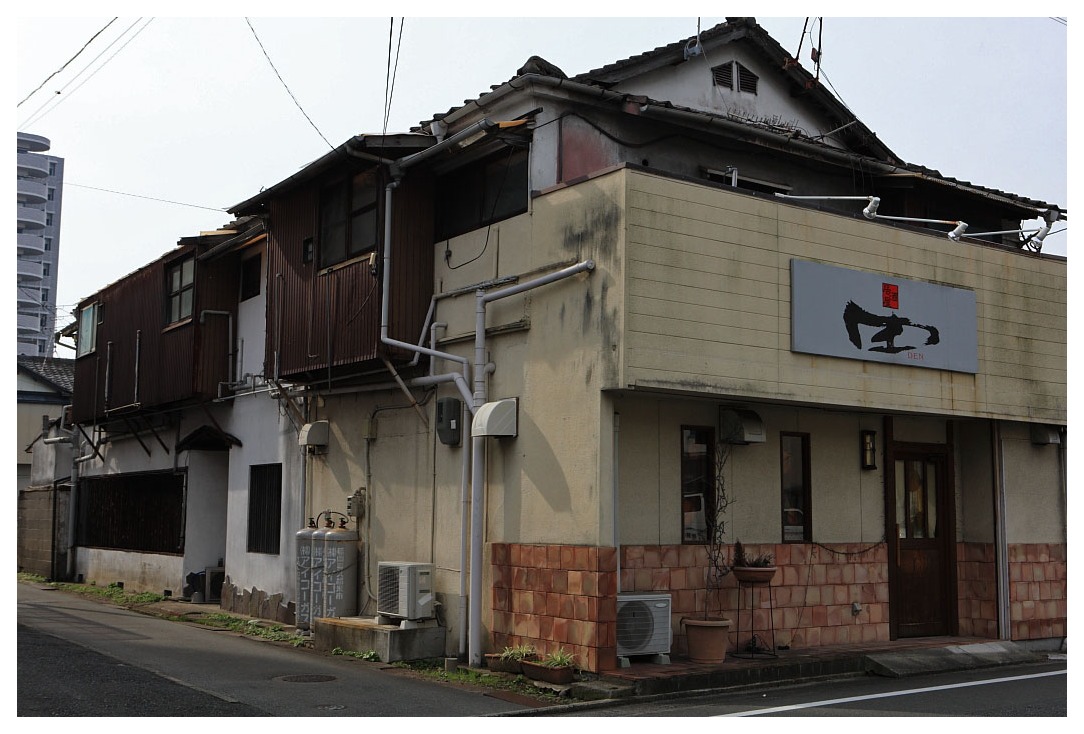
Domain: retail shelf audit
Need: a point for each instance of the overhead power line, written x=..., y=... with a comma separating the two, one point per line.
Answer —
x=73, y=58
x=306, y=114
x=389, y=81
x=150, y=198
x=56, y=101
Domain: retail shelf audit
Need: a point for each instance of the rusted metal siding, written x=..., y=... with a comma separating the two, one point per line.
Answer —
x=173, y=364
x=218, y=284
x=322, y=321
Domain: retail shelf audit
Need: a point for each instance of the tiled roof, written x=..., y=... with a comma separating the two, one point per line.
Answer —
x=58, y=372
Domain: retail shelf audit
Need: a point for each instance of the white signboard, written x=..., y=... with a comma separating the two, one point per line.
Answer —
x=879, y=318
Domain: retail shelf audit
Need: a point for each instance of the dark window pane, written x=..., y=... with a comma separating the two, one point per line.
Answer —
x=264, y=508
x=481, y=193
x=697, y=483
x=794, y=470
x=251, y=275
x=135, y=512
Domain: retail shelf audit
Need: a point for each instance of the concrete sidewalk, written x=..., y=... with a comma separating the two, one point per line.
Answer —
x=895, y=659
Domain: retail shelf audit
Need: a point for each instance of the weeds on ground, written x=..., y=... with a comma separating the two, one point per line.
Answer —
x=434, y=670
x=369, y=655
x=251, y=627
x=113, y=592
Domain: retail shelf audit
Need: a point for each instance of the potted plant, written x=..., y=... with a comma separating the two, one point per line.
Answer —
x=708, y=632
x=510, y=659
x=557, y=667
x=752, y=569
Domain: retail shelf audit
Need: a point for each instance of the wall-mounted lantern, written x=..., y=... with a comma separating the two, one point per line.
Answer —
x=869, y=449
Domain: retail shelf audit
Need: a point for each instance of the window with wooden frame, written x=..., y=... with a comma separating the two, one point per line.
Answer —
x=349, y=219
x=796, y=497
x=697, y=483
x=180, y=288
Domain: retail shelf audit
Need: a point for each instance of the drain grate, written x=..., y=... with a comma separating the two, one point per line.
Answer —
x=306, y=678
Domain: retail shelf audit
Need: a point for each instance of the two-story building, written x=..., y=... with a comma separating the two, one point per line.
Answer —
x=547, y=325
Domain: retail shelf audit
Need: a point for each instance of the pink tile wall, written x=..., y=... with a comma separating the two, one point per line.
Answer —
x=812, y=592
x=1037, y=590
x=976, y=589
x=557, y=596
x=564, y=596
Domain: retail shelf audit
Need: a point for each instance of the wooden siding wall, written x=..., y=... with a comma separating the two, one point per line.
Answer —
x=170, y=367
x=708, y=307
x=303, y=301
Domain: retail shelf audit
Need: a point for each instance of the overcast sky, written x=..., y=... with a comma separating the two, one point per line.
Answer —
x=181, y=118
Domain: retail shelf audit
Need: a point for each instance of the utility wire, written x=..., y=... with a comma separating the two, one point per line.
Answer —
x=73, y=58
x=55, y=101
x=306, y=114
x=389, y=80
x=138, y=196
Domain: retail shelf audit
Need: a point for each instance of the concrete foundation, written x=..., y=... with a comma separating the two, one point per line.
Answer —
x=391, y=642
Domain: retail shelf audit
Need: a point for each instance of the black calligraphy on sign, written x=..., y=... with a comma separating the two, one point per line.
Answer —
x=891, y=327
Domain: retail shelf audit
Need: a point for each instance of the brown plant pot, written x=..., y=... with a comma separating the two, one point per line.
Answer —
x=562, y=676
x=708, y=638
x=755, y=574
x=496, y=663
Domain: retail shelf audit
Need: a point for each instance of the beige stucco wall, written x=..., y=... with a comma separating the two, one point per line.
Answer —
x=847, y=503
x=553, y=348
x=708, y=307
x=974, y=482
x=1035, y=501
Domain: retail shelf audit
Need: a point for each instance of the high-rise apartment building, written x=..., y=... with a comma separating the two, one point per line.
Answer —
x=39, y=188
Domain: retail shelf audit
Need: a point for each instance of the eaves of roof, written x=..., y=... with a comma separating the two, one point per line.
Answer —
x=378, y=148
x=56, y=372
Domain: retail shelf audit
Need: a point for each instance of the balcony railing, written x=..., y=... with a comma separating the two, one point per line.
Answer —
x=31, y=192
x=28, y=296
x=30, y=218
x=29, y=323
x=30, y=164
x=29, y=270
x=31, y=244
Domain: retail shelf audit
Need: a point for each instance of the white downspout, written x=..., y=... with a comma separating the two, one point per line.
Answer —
x=482, y=298
x=617, y=528
x=1001, y=545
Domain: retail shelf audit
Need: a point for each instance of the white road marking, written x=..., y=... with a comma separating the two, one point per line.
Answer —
x=890, y=694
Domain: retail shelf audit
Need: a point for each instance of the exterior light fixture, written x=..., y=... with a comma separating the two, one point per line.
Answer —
x=869, y=449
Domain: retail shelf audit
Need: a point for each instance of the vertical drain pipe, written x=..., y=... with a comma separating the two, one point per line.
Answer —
x=478, y=447
x=616, y=524
x=1001, y=544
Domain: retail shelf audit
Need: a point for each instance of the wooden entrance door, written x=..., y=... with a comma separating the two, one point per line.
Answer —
x=920, y=532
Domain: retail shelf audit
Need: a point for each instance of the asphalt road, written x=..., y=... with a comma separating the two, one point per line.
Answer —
x=78, y=657
x=1006, y=691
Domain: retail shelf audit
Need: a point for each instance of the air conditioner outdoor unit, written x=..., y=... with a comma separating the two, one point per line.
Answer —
x=643, y=624
x=405, y=589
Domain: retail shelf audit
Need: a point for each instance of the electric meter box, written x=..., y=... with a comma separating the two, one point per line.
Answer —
x=450, y=421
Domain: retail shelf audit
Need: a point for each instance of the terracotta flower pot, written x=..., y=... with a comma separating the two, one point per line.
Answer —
x=561, y=676
x=708, y=638
x=755, y=574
